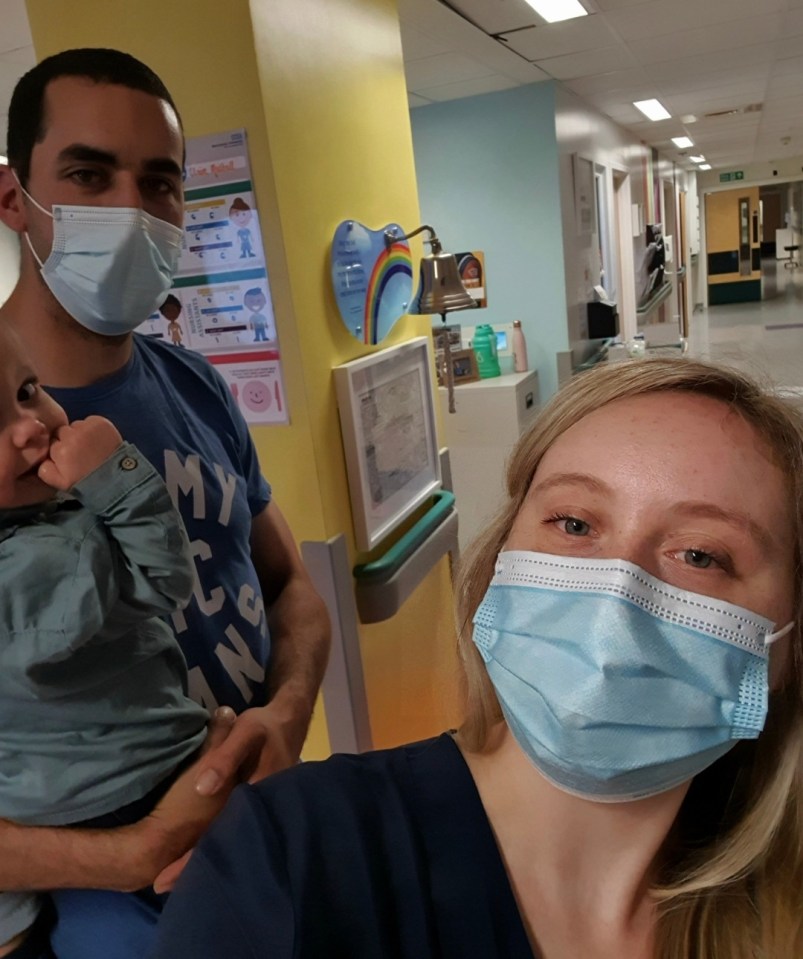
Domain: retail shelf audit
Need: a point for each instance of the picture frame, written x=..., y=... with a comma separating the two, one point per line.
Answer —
x=387, y=420
x=585, y=206
x=464, y=366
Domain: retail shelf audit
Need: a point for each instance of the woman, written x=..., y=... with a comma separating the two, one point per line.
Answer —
x=629, y=625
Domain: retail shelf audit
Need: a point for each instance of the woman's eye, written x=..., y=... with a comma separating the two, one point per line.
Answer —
x=574, y=526
x=26, y=392
x=698, y=559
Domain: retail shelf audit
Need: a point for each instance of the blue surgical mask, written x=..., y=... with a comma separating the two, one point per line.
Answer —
x=109, y=267
x=615, y=684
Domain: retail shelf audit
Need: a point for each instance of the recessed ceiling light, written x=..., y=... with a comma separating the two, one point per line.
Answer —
x=704, y=166
x=652, y=109
x=700, y=159
x=554, y=10
x=688, y=118
x=682, y=142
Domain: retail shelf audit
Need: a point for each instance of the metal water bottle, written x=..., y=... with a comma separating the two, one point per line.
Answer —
x=519, y=348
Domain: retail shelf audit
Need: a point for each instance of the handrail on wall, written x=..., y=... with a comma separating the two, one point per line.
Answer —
x=384, y=584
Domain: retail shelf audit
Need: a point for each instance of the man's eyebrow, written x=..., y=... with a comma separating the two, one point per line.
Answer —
x=163, y=165
x=82, y=153
x=87, y=154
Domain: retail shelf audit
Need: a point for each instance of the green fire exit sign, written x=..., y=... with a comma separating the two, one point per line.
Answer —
x=727, y=177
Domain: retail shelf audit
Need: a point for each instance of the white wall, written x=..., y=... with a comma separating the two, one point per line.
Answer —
x=9, y=261
x=581, y=129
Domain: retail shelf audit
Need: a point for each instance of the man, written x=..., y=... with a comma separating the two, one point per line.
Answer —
x=97, y=129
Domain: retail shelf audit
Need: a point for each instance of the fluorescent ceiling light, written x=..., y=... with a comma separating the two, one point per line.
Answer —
x=700, y=159
x=682, y=142
x=652, y=109
x=704, y=166
x=554, y=10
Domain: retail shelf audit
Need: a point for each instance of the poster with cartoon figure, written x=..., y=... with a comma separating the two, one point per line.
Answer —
x=255, y=382
x=226, y=313
x=221, y=303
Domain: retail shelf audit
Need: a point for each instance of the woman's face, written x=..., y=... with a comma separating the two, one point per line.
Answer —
x=676, y=483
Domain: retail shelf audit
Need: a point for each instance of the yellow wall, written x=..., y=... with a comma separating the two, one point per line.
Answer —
x=319, y=87
x=722, y=228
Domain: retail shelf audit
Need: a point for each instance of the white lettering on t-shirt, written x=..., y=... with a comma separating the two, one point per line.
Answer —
x=185, y=478
x=214, y=602
x=250, y=606
x=239, y=663
x=199, y=689
x=228, y=487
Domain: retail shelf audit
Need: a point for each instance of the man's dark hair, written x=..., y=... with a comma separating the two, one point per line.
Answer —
x=26, y=112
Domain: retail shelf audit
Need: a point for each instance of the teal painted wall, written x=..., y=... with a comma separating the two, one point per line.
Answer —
x=488, y=179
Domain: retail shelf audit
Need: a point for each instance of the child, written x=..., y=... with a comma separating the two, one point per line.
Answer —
x=94, y=719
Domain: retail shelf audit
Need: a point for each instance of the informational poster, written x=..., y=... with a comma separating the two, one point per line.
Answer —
x=221, y=304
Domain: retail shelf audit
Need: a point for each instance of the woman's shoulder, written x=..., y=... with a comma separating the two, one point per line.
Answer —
x=348, y=783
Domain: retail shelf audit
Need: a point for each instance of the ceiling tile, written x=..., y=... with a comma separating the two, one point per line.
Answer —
x=468, y=88
x=660, y=17
x=416, y=45
x=739, y=38
x=586, y=64
x=557, y=39
x=414, y=100
x=15, y=31
x=499, y=16
x=447, y=68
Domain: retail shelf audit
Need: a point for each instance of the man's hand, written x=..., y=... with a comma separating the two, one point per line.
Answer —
x=263, y=741
x=181, y=816
x=78, y=449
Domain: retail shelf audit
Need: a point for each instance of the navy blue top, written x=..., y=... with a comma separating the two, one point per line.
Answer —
x=386, y=855
x=178, y=411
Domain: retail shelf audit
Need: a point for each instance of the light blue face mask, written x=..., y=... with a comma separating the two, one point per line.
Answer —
x=615, y=684
x=109, y=267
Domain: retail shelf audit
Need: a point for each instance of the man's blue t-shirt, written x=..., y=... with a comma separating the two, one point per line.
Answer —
x=174, y=406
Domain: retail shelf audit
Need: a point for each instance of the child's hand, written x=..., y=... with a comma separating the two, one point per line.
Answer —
x=78, y=449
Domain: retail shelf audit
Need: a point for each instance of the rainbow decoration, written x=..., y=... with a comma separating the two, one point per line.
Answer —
x=372, y=282
x=392, y=264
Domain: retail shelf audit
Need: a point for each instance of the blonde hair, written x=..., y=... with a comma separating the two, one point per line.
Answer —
x=731, y=876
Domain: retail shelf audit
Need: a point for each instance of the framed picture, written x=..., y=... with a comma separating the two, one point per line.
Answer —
x=464, y=366
x=387, y=419
x=584, y=200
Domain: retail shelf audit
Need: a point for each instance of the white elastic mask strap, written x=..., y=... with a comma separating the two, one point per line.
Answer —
x=38, y=207
x=770, y=638
x=35, y=202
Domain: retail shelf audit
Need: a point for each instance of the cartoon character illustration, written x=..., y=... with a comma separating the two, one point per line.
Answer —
x=240, y=214
x=255, y=300
x=171, y=310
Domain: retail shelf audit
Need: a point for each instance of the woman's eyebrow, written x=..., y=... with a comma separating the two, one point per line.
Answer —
x=732, y=517
x=575, y=479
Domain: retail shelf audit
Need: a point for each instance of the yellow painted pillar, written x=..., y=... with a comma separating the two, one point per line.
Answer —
x=319, y=87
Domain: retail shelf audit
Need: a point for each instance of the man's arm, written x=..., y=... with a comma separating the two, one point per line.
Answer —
x=126, y=858
x=269, y=738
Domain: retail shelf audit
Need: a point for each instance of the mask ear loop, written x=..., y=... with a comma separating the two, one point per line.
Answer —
x=770, y=638
x=38, y=207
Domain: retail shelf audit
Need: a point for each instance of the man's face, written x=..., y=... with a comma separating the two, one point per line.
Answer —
x=104, y=145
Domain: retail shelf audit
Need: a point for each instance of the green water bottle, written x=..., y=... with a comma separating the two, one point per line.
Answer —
x=485, y=349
